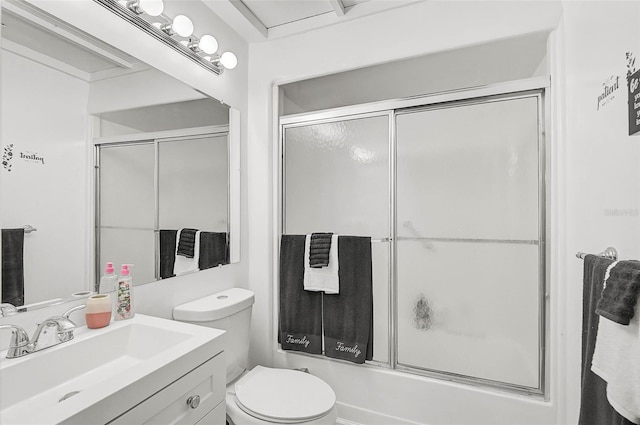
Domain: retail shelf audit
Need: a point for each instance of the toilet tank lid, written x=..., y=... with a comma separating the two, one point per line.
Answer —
x=214, y=307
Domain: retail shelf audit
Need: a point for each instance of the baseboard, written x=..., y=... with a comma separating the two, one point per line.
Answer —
x=353, y=415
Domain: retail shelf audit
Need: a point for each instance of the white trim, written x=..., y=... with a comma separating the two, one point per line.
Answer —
x=446, y=96
x=349, y=414
x=169, y=134
x=338, y=7
x=235, y=185
x=326, y=19
x=66, y=32
x=45, y=60
x=240, y=18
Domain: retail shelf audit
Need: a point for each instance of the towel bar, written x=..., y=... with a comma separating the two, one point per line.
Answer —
x=29, y=228
x=610, y=253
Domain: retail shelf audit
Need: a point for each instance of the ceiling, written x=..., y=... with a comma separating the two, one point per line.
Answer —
x=32, y=33
x=274, y=13
x=259, y=20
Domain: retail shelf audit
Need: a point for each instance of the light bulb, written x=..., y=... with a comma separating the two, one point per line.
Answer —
x=228, y=60
x=182, y=26
x=208, y=44
x=151, y=7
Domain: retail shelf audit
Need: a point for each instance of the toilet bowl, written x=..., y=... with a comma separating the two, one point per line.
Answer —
x=282, y=396
x=262, y=395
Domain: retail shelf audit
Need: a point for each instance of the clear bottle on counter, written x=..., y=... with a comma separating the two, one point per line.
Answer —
x=124, y=291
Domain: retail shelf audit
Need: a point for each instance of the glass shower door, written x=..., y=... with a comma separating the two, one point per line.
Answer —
x=469, y=235
x=336, y=179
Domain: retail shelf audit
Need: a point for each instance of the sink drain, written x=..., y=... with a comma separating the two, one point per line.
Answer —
x=66, y=396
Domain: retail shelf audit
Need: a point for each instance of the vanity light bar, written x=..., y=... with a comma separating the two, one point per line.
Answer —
x=184, y=48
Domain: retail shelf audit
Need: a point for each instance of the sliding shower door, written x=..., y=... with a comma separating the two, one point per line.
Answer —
x=336, y=179
x=451, y=190
x=469, y=232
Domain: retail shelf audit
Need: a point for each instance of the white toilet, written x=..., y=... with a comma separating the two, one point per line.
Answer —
x=262, y=395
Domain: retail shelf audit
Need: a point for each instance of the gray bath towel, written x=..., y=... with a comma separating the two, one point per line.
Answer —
x=214, y=250
x=300, y=310
x=594, y=406
x=319, y=249
x=620, y=296
x=13, y=266
x=348, y=316
x=167, y=252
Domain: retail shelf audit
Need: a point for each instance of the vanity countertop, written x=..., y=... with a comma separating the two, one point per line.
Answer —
x=102, y=372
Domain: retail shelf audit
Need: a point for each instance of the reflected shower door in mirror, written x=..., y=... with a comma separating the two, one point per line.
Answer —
x=61, y=89
x=163, y=203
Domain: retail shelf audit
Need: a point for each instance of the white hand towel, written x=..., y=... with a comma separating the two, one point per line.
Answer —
x=184, y=264
x=616, y=359
x=325, y=278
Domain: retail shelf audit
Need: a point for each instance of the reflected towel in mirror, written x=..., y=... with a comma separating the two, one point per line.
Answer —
x=13, y=266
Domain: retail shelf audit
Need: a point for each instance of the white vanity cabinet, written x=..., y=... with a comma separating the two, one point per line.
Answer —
x=197, y=397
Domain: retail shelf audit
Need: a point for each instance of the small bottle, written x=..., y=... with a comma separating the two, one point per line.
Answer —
x=124, y=290
x=108, y=280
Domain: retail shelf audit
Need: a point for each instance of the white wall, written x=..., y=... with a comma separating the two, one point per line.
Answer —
x=366, y=394
x=598, y=162
x=593, y=181
x=44, y=113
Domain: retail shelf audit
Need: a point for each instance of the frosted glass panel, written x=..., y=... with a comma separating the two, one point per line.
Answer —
x=469, y=171
x=336, y=177
x=470, y=309
x=125, y=246
x=126, y=186
x=337, y=180
x=380, y=263
x=193, y=184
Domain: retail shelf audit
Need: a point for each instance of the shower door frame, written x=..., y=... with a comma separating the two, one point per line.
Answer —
x=534, y=87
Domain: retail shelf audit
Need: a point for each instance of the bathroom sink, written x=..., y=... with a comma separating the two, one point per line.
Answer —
x=101, y=372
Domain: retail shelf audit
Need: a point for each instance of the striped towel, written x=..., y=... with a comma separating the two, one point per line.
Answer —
x=319, y=250
x=187, y=243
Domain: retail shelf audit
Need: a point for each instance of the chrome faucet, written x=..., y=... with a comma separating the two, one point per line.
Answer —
x=52, y=331
x=19, y=345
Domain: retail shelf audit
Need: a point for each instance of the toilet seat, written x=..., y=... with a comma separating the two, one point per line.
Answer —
x=283, y=395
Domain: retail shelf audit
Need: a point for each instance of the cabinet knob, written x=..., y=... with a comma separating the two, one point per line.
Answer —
x=193, y=401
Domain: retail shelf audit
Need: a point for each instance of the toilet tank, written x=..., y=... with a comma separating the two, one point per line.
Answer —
x=230, y=311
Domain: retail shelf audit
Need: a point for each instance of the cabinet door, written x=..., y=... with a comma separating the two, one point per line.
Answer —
x=174, y=404
x=217, y=416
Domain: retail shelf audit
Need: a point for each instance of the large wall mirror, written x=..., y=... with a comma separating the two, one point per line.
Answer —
x=105, y=159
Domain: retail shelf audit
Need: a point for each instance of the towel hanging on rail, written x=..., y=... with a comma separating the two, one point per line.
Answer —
x=13, y=266
x=594, y=406
x=620, y=294
x=615, y=358
x=300, y=327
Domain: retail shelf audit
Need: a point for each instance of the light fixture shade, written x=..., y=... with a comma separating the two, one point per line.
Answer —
x=208, y=44
x=182, y=26
x=228, y=60
x=151, y=7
